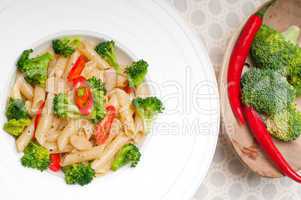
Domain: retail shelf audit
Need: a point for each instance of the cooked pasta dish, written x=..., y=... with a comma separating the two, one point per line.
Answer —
x=74, y=108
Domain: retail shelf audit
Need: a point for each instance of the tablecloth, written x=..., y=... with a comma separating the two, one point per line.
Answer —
x=214, y=21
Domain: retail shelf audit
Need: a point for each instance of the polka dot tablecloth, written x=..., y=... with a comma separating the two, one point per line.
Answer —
x=228, y=179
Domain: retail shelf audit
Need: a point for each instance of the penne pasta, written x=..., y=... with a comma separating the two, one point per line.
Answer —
x=87, y=50
x=80, y=142
x=25, y=88
x=110, y=79
x=59, y=68
x=63, y=139
x=82, y=156
x=70, y=63
x=45, y=121
x=143, y=90
x=39, y=95
x=109, y=152
x=55, y=85
x=91, y=70
x=24, y=139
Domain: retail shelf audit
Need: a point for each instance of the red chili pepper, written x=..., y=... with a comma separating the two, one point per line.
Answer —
x=55, y=160
x=238, y=58
x=77, y=68
x=264, y=139
x=129, y=89
x=38, y=116
x=83, y=95
x=103, y=128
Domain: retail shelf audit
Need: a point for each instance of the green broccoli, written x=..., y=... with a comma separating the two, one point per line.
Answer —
x=292, y=34
x=97, y=84
x=270, y=49
x=35, y=156
x=128, y=154
x=147, y=108
x=62, y=107
x=286, y=125
x=78, y=174
x=16, y=126
x=136, y=73
x=98, y=91
x=65, y=46
x=34, y=69
x=16, y=109
x=106, y=50
x=267, y=91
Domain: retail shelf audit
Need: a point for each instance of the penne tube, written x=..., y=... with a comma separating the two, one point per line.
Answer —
x=25, y=138
x=59, y=67
x=45, y=121
x=90, y=70
x=87, y=50
x=70, y=63
x=25, y=88
x=66, y=133
x=109, y=152
x=39, y=95
x=80, y=142
x=82, y=156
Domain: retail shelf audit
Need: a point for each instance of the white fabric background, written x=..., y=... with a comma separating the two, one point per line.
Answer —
x=228, y=179
x=214, y=21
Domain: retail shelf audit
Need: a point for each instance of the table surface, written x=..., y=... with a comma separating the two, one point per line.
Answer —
x=214, y=21
x=228, y=179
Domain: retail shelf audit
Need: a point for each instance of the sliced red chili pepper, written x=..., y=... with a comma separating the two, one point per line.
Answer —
x=38, y=116
x=77, y=68
x=83, y=95
x=129, y=89
x=55, y=160
x=102, y=130
x=263, y=137
x=238, y=58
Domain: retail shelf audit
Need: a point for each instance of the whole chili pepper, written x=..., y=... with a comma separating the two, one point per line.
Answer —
x=263, y=137
x=238, y=58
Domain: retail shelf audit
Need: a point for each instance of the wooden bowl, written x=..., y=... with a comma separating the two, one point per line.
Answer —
x=280, y=16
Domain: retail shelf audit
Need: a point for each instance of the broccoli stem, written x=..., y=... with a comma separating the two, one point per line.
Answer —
x=292, y=34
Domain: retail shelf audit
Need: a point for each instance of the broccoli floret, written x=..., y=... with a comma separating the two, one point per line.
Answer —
x=286, y=125
x=292, y=34
x=277, y=51
x=98, y=91
x=16, y=126
x=16, y=109
x=78, y=174
x=62, y=107
x=271, y=50
x=147, y=108
x=34, y=69
x=35, y=156
x=267, y=91
x=65, y=46
x=128, y=154
x=107, y=51
x=136, y=73
x=97, y=84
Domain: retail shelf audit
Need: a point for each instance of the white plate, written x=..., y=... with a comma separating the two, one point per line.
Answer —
x=178, y=152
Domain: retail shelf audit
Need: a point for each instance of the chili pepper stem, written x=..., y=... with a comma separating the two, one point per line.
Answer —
x=263, y=10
